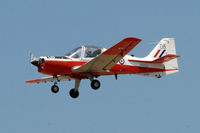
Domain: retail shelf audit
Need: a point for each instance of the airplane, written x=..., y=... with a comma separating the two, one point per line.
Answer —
x=91, y=62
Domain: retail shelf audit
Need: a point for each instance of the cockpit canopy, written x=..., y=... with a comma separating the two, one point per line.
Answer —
x=85, y=52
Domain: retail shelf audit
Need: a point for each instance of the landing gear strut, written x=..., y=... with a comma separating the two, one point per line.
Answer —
x=55, y=88
x=74, y=92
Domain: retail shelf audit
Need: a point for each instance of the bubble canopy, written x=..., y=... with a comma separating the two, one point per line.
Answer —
x=85, y=52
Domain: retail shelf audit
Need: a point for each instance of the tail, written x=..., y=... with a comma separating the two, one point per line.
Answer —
x=164, y=57
x=165, y=53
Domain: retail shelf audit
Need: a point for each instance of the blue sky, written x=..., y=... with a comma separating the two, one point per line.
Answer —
x=130, y=104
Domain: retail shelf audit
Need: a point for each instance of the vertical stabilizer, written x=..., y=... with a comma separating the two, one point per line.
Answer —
x=160, y=57
x=164, y=47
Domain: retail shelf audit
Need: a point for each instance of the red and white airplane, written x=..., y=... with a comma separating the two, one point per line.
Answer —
x=89, y=62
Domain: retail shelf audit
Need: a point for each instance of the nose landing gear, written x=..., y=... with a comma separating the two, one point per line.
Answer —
x=55, y=88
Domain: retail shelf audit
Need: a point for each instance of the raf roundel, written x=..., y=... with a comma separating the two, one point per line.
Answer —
x=122, y=61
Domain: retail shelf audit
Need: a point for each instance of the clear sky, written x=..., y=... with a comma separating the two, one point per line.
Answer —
x=127, y=105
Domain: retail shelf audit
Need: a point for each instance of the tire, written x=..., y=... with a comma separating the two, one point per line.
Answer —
x=95, y=84
x=55, y=89
x=74, y=93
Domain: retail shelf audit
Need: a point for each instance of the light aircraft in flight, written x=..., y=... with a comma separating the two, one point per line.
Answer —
x=90, y=62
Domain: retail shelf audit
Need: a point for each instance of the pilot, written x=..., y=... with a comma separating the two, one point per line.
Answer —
x=88, y=53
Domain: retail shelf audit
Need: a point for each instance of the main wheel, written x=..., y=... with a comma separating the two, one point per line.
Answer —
x=74, y=93
x=95, y=84
x=54, y=88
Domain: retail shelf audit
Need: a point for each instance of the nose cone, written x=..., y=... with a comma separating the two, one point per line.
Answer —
x=35, y=62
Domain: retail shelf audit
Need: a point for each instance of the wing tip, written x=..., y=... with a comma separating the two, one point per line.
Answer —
x=32, y=81
x=132, y=39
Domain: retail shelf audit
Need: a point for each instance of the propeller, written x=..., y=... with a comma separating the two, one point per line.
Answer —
x=36, y=61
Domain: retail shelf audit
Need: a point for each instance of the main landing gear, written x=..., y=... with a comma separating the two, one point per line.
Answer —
x=95, y=84
x=74, y=93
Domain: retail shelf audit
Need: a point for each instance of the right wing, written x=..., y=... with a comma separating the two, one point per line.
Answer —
x=110, y=57
x=49, y=79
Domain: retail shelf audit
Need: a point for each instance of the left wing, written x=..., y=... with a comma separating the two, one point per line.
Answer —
x=110, y=57
x=49, y=79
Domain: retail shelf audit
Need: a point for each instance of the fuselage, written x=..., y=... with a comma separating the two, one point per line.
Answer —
x=90, y=62
x=64, y=66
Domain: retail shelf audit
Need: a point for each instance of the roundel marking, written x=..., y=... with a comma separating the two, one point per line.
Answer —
x=122, y=61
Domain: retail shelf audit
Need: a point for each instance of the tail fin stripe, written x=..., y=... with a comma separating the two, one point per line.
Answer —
x=157, y=53
x=162, y=53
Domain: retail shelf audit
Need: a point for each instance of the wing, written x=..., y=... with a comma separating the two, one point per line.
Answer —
x=110, y=57
x=49, y=79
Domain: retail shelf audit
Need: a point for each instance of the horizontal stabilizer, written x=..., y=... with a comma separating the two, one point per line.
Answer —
x=163, y=59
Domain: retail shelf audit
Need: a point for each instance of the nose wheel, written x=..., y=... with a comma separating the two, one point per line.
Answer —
x=55, y=88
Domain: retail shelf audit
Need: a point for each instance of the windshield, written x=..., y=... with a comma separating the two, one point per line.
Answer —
x=85, y=51
x=76, y=53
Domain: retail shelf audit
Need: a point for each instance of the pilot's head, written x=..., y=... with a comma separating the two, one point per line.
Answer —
x=88, y=51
